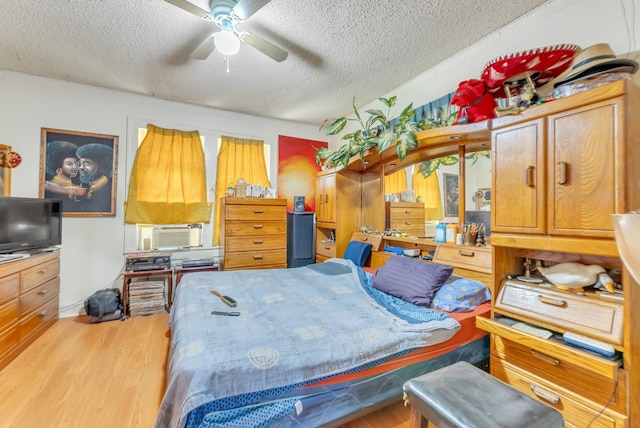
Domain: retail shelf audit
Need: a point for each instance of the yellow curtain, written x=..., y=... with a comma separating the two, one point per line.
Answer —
x=168, y=184
x=429, y=189
x=396, y=182
x=238, y=158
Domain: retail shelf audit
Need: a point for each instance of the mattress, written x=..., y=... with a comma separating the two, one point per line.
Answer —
x=208, y=387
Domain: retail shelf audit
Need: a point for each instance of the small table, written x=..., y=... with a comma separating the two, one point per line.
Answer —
x=128, y=275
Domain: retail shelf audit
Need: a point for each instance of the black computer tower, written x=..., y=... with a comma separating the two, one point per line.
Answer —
x=301, y=243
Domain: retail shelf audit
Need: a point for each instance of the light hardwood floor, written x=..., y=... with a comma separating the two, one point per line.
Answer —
x=105, y=375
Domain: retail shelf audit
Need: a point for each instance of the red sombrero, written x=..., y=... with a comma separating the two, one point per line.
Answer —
x=540, y=65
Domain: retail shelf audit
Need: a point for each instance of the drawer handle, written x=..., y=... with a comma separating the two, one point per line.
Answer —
x=407, y=211
x=466, y=253
x=258, y=241
x=45, y=270
x=544, y=357
x=258, y=211
x=327, y=248
x=258, y=226
x=530, y=177
x=364, y=239
x=554, y=302
x=258, y=257
x=545, y=395
x=43, y=313
x=43, y=292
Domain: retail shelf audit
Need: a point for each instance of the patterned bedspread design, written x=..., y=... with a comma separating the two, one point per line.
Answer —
x=296, y=325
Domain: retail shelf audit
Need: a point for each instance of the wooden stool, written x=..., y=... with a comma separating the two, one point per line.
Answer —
x=463, y=396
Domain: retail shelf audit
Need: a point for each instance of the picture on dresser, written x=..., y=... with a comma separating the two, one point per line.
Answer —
x=5, y=173
x=450, y=195
x=81, y=169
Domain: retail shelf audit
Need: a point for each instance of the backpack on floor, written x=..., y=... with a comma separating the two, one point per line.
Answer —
x=104, y=305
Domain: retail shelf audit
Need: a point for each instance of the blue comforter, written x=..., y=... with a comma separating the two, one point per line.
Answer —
x=295, y=326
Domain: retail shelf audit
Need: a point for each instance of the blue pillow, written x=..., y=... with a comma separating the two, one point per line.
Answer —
x=357, y=252
x=411, y=280
x=460, y=294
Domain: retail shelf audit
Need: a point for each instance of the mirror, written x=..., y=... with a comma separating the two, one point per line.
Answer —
x=478, y=196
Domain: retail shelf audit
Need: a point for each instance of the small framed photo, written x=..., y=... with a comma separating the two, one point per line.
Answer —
x=81, y=169
x=451, y=191
x=5, y=172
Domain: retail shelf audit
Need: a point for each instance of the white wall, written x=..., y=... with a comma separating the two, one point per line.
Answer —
x=92, y=253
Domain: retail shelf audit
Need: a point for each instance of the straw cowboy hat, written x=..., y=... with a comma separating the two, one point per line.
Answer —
x=594, y=60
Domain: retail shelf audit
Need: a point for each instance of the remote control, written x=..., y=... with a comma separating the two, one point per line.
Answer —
x=536, y=331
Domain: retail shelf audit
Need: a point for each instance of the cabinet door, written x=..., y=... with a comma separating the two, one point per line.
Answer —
x=518, y=167
x=326, y=198
x=582, y=164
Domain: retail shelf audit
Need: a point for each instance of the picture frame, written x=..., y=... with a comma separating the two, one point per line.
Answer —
x=451, y=194
x=80, y=168
x=482, y=199
x=5, y=173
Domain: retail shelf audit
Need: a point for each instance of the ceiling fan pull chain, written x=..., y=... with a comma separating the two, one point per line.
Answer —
x=226, y=59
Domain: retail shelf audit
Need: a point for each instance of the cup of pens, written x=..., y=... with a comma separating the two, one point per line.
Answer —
x=469, y=234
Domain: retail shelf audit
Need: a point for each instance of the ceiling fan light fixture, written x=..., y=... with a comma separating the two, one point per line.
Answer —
x=226, y=42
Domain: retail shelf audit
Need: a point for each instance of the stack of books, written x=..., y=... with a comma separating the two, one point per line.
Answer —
x=146, y=297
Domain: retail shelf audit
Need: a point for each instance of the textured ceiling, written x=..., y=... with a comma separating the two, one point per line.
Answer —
x=337, y=49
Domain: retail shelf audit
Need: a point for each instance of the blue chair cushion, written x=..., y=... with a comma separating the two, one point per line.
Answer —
x=357, y=252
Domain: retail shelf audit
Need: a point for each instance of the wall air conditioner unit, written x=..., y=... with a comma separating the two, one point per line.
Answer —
x=171, y=237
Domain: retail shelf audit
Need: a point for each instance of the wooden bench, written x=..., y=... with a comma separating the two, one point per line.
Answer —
x=463, y=396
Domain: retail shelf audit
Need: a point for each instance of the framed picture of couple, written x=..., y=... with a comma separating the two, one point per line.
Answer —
x=81, y=169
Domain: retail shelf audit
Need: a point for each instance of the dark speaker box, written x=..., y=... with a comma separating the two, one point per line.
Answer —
x=298, y=204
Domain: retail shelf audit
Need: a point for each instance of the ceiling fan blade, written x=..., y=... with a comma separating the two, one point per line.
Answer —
x=191, y=8
x=205, y=48
x=269, y=49
x=245, y=8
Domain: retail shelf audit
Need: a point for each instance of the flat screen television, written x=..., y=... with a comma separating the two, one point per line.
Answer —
x=29, y=223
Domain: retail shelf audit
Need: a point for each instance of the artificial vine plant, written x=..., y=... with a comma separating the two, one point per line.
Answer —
x=375, y=132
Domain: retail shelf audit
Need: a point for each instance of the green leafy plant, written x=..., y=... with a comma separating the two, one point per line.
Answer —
x=375, y=132
x=426, y=168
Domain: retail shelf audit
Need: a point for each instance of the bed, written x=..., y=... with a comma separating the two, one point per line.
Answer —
x=313, y=346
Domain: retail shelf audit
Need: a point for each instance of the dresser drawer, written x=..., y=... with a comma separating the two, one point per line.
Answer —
x=255, y=243
x=326, y=249
x=255, y=213
x=9, y=339
x=38, y=318
x=574, y=409
x=408, y=224
x=564, y=372
x=564, y=311
x=241, y=228
x=558, y=350
x=408, y=211
x=474, y=258
x=255, y=259
x=9, y=287
x=9, y=313
x=38, y=274
x=39, y=295
x=374, y=240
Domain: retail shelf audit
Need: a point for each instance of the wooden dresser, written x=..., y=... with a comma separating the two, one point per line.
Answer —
x=559, y=171
x=29, y=290
x=254, y=233
x=407, y=217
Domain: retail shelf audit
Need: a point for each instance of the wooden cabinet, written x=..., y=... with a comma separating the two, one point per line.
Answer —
x=326, y=198
x=29, y=290
x=559, y=174
x=254, y=233
x=560, y=170
x=407, y=217
x=342, y=198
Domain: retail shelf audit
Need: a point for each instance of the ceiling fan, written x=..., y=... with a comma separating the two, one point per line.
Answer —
x=227, y=14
